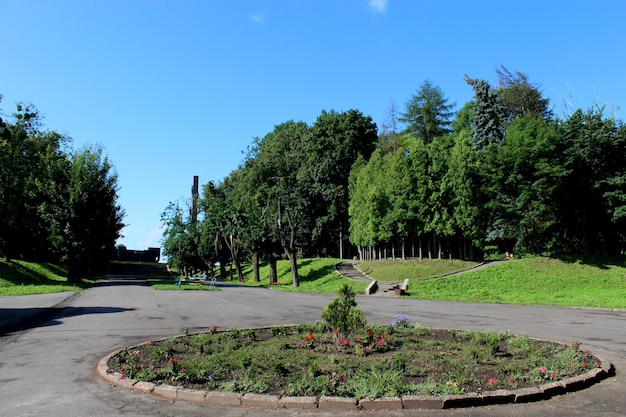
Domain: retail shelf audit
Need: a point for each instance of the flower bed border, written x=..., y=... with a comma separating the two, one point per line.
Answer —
x=407, y=402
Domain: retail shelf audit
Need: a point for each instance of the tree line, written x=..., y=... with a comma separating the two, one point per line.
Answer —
x=502, y=174
x=56, y=204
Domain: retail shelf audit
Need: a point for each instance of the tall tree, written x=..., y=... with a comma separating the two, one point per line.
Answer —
x=335, y=142
x=521, y=98
x=278, y=161
x=17, y=159
x=389, y=138
x=466, y=197
x=90, y=219
x=489, y=114
x=594, y=150
x=428, y=113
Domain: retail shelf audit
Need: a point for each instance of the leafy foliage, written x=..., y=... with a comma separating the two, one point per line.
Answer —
x=342, y=314
x=56, y=204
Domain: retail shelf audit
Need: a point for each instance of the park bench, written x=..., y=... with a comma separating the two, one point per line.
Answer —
x=401, y=289
x=200, y=279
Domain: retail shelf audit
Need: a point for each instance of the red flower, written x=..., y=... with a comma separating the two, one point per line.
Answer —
x=309, y=337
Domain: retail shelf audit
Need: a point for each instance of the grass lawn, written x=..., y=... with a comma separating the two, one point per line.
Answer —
x=567, y=282
x=23, y=278
x=397, y=271
x=570, y=282
x=317, y=275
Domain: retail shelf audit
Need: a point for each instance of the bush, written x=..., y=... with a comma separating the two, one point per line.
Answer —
x=342, y=314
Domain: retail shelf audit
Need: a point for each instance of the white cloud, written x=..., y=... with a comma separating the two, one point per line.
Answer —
x=379, y=6
x=258, y=17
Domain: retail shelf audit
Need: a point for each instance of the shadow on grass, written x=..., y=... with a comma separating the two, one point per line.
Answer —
x=19, y=274
x=596, y=261
x=316, y=274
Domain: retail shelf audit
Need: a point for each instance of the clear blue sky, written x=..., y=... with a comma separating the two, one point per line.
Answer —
x=173, y=89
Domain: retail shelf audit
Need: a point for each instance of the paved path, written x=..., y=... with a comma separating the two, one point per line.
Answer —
x=48, y=369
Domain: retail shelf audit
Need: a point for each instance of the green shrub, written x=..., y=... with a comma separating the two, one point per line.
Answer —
x=342, y=314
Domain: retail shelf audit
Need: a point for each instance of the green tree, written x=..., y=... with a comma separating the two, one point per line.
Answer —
x=520, y=97
x=440, y=194
x=489, y=114
x=278, y=160
x=368, y=204
x=17, y=160
x=427, y=114
x=594, y=150
x=180, y=240
x=466, y=197
x=335, y=142
x=89, y=219
x=224, y=216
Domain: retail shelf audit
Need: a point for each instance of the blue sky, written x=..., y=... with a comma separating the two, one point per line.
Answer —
x=173, y=89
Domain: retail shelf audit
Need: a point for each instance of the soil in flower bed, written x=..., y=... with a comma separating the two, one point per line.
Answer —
x=375, y=362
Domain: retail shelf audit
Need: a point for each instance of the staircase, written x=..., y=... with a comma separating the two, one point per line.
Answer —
x=347, y=270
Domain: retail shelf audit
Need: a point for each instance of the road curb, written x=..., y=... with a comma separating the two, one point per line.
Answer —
x=603, y=370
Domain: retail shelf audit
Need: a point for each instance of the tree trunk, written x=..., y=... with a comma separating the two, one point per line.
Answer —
x=420, y=249
x=295, y=278
x=255, y=266
x=273, y=270
x=289, y=247
x=340, y=242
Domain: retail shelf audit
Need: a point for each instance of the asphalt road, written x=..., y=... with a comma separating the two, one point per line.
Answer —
x=47, y=367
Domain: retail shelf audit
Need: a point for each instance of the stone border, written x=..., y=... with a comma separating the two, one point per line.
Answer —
x=338, y=404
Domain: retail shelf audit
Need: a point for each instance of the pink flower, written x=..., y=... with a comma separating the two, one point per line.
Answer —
x=492, y=380
x=511, y=379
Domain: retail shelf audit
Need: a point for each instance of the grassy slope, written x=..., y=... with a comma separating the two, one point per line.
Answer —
x=397, y=271
x=546, y=281
x=566, y=282
x=317, y=275
x=22, y=278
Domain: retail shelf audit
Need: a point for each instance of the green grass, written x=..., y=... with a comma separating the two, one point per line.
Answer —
x=567, y=282
x=372, y=362
x=317, y=275
x=397, y=271
x=25, y=278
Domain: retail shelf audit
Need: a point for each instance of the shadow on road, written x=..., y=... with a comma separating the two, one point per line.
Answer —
x=20, y=319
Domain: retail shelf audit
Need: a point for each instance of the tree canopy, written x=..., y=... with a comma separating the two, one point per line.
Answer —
x=56, y=204
x=503, y=174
